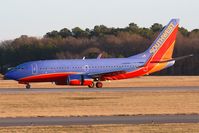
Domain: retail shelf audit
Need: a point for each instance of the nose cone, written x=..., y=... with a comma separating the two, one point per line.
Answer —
x=7, y=76
x=4, y=77
x=10, y=75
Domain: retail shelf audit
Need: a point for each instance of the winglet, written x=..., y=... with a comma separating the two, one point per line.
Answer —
x=99, y=56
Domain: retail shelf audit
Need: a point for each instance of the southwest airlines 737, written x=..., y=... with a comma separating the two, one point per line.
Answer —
x=90, y=72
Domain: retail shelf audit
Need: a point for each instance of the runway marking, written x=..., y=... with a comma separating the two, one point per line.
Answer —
x=93, y=120
x=59, y=90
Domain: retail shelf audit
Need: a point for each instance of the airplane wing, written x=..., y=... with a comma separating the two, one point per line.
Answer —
x=113, y=72
x=107, y=73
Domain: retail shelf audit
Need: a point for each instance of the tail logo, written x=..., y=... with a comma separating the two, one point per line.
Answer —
x=162, y=38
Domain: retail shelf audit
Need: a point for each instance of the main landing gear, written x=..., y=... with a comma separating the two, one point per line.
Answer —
x=98, y=85
x=91, y=85
x=28, y=86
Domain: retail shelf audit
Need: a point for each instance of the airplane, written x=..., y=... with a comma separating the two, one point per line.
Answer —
x=91, y=72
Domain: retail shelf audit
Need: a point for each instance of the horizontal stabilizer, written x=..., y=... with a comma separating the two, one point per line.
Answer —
x=173, y=59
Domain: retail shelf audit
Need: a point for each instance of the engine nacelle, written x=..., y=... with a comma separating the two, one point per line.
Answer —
x=76, y=80
x=79, y=80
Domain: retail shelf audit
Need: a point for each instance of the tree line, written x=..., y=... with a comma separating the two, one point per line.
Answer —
x=111, y=42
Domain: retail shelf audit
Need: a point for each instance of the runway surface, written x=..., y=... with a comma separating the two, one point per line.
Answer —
x=58, y=90
x=140, y=119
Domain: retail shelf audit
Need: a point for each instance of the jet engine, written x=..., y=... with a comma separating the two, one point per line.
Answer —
x=77, y=80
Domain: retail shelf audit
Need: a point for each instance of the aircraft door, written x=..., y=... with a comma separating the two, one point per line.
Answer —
x=34, y=69
x=86, y=68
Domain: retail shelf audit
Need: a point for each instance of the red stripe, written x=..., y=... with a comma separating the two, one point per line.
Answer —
x=47, y=77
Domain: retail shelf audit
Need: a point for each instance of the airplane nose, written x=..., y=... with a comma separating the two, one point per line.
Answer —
x=5, y=76
x=8, y=75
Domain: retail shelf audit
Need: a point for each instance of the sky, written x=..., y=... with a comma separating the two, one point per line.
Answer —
x=37, y=17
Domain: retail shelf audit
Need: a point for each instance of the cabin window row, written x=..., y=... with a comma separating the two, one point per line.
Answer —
x=19, y=68
x=76, y=67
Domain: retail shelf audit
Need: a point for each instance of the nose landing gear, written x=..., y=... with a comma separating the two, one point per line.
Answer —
x=28, y=86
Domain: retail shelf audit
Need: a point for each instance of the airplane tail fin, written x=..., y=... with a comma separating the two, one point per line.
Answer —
x=162, y=48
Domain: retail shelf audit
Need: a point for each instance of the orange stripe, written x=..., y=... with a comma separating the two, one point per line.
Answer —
x=167, y=55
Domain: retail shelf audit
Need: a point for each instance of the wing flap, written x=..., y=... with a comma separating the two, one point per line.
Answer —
x=109, y=73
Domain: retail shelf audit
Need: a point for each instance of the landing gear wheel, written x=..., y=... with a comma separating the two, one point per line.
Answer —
x=91, y=85
x=28, y=86
x=99, y=84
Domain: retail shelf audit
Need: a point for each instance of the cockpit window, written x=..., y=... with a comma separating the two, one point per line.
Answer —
x=19, y=68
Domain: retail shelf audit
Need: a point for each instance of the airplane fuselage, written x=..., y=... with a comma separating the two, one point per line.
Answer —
x=66, y=67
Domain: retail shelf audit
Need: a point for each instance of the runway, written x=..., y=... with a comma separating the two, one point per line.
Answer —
x=140, y=119
x=65, y=90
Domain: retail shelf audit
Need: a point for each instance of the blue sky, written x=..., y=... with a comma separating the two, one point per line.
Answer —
x=36, y=17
